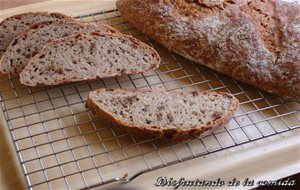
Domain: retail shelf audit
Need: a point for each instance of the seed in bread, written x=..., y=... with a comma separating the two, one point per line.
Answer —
x=11, y=27
x=176, y=115
x=86, y=57
x=30, y=42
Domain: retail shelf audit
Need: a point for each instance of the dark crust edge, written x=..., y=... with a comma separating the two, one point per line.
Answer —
x=52, y=14
x=172, y=134
x=54, y=42
x=40, y=25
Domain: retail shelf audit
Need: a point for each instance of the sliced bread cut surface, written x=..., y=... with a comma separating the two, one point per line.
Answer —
x=30, y=42
x=176, y=115
x=86, y=57
x=11, y=27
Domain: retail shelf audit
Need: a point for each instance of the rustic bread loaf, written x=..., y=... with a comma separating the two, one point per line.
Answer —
x=256, y=42
x=11, y=27
x=30, y=42
x=86, y=57
x=176, y=115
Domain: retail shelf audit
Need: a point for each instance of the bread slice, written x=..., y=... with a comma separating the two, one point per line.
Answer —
x=11, y=27
x=176, y=115
x=30, y=42
x=86, y=57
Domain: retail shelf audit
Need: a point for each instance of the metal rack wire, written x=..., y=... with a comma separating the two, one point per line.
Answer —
x=60, y=144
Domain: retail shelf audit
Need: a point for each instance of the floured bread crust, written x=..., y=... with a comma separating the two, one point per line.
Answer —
x=256, y=42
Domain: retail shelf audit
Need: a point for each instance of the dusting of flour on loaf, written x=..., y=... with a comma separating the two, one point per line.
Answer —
x=232, y=44
x=227, y=40
x=256, y=42
x=289, y=57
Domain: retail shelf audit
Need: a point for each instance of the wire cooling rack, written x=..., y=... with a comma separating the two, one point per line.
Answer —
x=60, y=144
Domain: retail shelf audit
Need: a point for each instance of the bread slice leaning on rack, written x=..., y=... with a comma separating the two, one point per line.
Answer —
x=176, y=115
x=11, y=27
x=86, y=57
x=30, y=42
